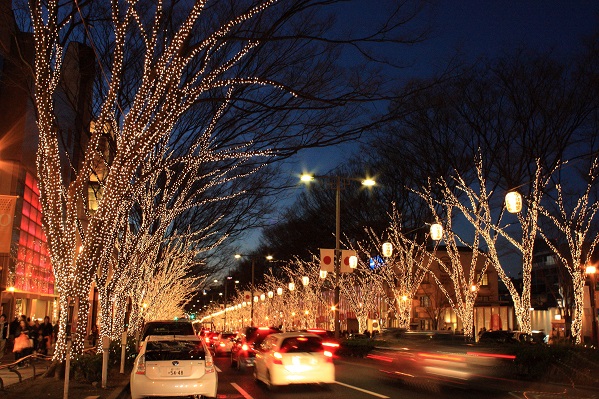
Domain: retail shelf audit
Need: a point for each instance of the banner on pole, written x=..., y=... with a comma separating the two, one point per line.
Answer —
x=345, y=255
x=327, y=260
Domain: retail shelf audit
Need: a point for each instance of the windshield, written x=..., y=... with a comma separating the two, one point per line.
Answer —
x=174, y=350
x=168, y=329
x=302, y=344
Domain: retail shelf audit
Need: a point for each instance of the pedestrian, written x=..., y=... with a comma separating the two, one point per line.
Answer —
x=55, y=331
x=46, y=331
x=12, y=333
x=23, y=345
x=34, y=334
x=93, y=336
x=3, y=334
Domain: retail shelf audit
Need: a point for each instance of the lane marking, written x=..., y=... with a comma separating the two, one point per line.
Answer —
x=378, y=395
x=241, y=391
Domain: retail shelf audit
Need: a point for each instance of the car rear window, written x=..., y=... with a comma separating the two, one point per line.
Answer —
x=256, y=336
x=174, y=350
x=302, y=344
x=227, y=336
x=169, y=329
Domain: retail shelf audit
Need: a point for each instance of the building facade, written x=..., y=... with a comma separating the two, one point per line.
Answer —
x=26, y=276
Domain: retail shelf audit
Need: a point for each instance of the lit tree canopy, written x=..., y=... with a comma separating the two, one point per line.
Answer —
x=204, y=80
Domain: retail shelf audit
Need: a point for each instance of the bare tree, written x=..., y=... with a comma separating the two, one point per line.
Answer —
x=404, y=271
x=216, y=64
x=576, y=228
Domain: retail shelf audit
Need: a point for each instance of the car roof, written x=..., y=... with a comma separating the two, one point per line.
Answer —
x=170, y=321
x=154, y=338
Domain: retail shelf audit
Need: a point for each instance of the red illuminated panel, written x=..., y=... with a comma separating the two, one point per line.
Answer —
x=33, y=270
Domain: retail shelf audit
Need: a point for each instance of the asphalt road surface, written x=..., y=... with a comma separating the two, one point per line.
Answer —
x=362, y=379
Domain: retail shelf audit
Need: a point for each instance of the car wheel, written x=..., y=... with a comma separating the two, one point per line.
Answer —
x=271, y=386
x=255, y=373
x=240, y=363
x=233, y=361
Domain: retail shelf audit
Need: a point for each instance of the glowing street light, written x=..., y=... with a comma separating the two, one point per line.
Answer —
x=253, y=258
x=339, y=182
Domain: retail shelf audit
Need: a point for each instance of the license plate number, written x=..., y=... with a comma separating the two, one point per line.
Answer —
x=175, y=371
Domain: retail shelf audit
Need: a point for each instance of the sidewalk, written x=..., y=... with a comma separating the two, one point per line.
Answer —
x=26, y=382
x=12, y=375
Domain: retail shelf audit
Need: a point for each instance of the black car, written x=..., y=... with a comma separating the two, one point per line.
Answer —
x=167, y=327
x=498, y=337
x=243, y=351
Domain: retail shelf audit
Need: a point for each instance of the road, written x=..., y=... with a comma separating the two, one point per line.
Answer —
x=361, y=379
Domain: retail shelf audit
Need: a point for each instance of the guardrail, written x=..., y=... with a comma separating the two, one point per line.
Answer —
x=32, y=358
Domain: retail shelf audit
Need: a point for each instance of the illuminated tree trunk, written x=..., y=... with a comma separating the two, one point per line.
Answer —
x=578, y=312
x=404, y=309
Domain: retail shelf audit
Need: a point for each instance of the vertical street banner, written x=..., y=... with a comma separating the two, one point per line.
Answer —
x=327, y=260
x=7, y=216
x=247, y=296
x=345, y=255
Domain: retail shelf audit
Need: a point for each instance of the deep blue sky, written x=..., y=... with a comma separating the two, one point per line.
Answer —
x=474, y=28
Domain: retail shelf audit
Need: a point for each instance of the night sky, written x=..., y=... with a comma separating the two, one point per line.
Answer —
x=475, y=29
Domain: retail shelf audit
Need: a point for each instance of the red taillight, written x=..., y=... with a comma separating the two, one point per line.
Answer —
x=209, y=364
x=244, y=347
x=278, y=358
x=328, y=356
x=141, y=365
x=222, y=344
x=331, y=344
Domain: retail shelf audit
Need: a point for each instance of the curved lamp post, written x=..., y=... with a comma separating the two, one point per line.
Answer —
x=253, y=258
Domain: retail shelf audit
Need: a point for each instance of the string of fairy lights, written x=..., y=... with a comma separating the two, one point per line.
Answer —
x=84, y=254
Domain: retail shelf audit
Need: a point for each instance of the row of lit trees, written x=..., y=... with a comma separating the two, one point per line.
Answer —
x=485, y=225
x=185, y=96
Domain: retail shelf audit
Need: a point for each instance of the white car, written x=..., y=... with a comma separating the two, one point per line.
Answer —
x=223, y=343
x=175, y=365
x=293, y=358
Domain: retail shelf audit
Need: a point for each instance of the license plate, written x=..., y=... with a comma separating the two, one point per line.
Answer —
x=174, y=371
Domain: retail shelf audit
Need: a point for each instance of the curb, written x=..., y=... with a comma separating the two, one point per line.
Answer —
x=120, y=391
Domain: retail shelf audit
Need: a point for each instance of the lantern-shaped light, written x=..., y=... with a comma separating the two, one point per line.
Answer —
x=305, y=280
x=270, y=294
x=590, y=270
x=244, y=304
x=323, y=274
x=436, y=231
x=256, y=298
x=291, y=286
x=262, y=297
x=353, y=261
x=387, y=249
x=513, y=202
x=473, y=288
x=279, y=291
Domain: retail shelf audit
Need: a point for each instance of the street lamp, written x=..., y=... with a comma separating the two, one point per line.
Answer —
x=253, y=258
x=226, y=285
x=338, y=183
x=591, y=271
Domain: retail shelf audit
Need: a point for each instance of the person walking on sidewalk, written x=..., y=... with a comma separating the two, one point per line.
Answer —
x=23, y=345
x=46, y=331
x=3, y=334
